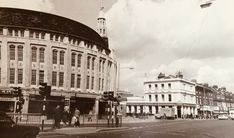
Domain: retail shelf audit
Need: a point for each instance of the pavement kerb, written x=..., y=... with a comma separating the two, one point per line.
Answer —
x=110, y=129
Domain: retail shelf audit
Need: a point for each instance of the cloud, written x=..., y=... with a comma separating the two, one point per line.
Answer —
x=172, y=35
x=38, y=5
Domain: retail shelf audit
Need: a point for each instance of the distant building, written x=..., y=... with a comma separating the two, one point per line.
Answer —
x=166, y=92
x=205, y=100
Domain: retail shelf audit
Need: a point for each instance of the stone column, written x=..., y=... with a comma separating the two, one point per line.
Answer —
x=26, y=103
x=96, y=106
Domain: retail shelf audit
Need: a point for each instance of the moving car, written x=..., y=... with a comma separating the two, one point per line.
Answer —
x=9, y=129
x=223, y=117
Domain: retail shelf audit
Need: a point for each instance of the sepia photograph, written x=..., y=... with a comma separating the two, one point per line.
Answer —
x=116, y=69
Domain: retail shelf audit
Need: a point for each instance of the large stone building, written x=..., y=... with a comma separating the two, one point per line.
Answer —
x=166, y=92
x=71, y=57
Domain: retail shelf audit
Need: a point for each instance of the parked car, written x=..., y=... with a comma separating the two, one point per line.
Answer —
x=231, y=114
x=9, y=129
x=223, y=117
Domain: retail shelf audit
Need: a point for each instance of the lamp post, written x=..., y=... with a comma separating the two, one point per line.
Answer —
x=130, y=68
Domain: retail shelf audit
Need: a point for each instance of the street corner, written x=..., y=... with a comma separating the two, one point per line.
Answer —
x=111, y=129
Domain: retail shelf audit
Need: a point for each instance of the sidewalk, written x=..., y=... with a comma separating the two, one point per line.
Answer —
x=92, y=128
x=78, y=130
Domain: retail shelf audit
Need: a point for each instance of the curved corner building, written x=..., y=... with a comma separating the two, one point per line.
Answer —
x=71, y=57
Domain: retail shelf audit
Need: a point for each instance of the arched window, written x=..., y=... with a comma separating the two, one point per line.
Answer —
x=88, y=62
x=73, y=59
x=42, y=54
x=55, y=56
x=79, y=60
x=20, y=53
x=12, y=52
x=34, y=54
x=62, y=57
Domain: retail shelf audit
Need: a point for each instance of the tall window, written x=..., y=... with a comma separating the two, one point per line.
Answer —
x=16, y=33
x=31, y=33
x=12, y=75
x=0, y=74
x=169, y=86
x=72, y=80
x=61, y=79
x=162, y=86
x=20, y=76
x=34, y=54
x=33, y=77
x=0, y=51
x=1, y=31
x=150, y=86
x=169, y=97
x=99, y=84
x=55, y=56
x=102, y=84
x=78, y=80
x=41, y=76
x=93, y=63
x=37, y=34
x=156, y=86
x=62, y=57
x=10, y=32
x=150, y=98
x=163, y=98
x=20, y=53
x=100, y=65
x=87, y=83
x=54, y=78
x=12, y=52
x=156, y=98
x=42, y=55
x=79, y=60
x=103, y=63
x=22, y=33
x=92, y=83
x=73, y=59
x=88, y=62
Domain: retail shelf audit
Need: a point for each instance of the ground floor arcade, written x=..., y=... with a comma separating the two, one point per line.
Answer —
x=181, y=111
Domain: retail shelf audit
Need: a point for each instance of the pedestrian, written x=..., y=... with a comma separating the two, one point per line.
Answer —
x=77, y=118
x=65, y=116
x=57, y=117
x=90, y=116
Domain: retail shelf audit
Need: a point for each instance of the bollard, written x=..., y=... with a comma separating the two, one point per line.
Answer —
x=42, y=125
x=16, y=120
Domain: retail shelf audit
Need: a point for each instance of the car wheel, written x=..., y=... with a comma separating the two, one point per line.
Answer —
x=29, y=136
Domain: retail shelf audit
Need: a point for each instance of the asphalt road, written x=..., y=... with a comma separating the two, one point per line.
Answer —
x=168, y=129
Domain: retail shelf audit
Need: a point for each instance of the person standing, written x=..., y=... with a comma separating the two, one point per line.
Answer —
x=77, y=116
x=57, y=117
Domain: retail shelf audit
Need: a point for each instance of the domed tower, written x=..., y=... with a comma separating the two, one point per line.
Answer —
x=101, y=24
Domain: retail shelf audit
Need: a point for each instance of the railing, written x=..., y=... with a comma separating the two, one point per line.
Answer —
x=86, y=120
x=30, y=118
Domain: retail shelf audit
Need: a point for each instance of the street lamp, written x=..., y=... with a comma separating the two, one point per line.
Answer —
x=130, y=68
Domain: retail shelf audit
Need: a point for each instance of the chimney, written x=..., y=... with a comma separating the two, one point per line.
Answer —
x=179, y=74
x=161, y=75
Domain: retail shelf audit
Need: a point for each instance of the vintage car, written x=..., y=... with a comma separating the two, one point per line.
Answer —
x=223, y=117
x=9, y=129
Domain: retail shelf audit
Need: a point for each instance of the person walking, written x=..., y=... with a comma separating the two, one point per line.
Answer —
x=57, y=117
x=77, y=117
x=90, y=116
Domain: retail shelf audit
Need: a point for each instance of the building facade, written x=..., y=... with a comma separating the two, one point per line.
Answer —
x=166, y=92
x=67, y=55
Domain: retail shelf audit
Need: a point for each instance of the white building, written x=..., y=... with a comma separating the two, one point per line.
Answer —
x=166, y=92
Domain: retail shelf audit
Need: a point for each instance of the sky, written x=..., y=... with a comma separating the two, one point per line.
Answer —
x=154, y=36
